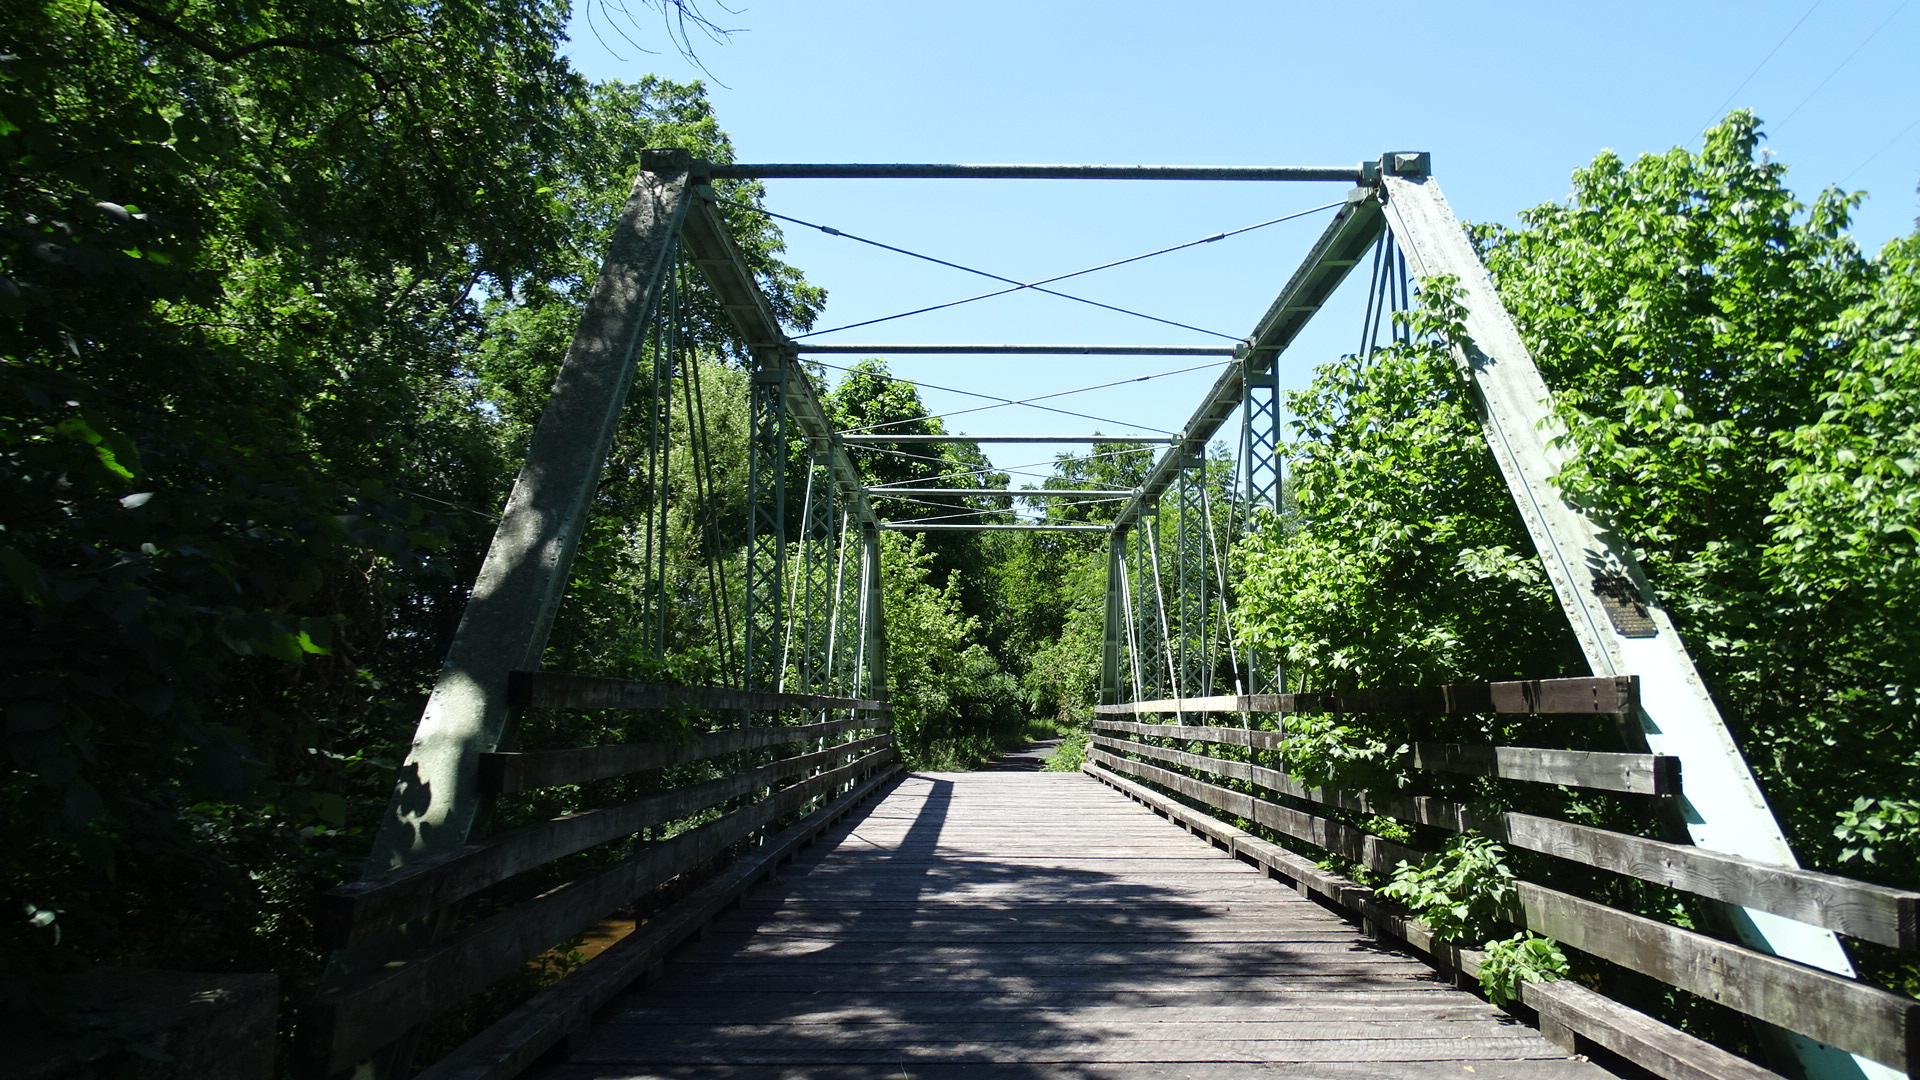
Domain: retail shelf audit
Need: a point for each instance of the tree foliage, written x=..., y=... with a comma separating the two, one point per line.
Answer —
x=1404, y=547
x=282, y=290
x=1738, y=385
x=1740, y=389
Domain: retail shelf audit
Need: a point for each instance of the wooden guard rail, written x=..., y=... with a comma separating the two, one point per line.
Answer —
x=385, y=915
x=1853, y=1016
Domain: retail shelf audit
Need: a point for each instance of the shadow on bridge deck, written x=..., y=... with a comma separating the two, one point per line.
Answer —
x=1027, y=924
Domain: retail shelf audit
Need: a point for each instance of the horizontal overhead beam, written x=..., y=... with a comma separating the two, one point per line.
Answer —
x=1021, y=350
x=1350, y=174
x=1026, y=493
x=867, y=438
x=908, y=526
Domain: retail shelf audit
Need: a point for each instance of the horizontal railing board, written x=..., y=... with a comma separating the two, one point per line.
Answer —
x=1375, y=853
x=1576, y=696
x=1659, y=1048
x=515, y=1043
x=1638, y=774
x=504, y=773
x=1227, y=736
x=1841, y=1012
x=352, y=1022
x=1422, y=809
x=558, y=690
x=355, y=911
x=1643, y=774
x=1336, y=888
x=1838, y=1011
x=1664, y=1050
x=1857, y=909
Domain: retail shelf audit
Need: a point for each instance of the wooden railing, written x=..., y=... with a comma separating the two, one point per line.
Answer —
x=819, y=769
x=1285, y=824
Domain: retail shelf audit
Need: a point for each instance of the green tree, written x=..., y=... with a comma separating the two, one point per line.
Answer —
x=949, y=693
x=1738, y=383
x=280, y=292
x=1405, y=553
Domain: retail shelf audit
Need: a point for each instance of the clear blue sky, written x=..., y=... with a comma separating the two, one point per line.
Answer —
x=1509, y=97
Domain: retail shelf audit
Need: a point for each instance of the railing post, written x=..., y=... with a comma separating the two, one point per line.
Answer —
x=523, y=578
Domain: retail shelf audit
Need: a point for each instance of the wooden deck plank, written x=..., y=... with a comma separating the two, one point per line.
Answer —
x=1036, y=925
x=1540, y=1069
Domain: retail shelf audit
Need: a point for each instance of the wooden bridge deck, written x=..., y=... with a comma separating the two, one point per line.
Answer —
x=1027, y=924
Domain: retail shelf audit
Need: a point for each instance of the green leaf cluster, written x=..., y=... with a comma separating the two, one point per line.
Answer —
x=1523, y=958
x=1463, y=892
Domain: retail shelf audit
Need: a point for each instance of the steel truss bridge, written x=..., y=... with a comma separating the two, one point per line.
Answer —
x=1032, y=923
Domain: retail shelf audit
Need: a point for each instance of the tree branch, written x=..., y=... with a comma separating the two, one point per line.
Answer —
x=333, y=47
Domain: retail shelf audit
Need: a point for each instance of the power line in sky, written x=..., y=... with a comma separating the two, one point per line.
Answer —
x=1876, y=154
x=1842, y=64
x=1715, y=118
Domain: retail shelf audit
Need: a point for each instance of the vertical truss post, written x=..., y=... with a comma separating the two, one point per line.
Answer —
x=1265, y=480
x=1604, y=591
x=873, y=622
x=1194, y=585
x=766, y=524
x=523, y=578
x=1163, y=661
x=1260, y=438
x=843, y=673
x=814, y=613
x=1146, y=592
x=659, y=469
x=1111, y=687
x=1135, y=682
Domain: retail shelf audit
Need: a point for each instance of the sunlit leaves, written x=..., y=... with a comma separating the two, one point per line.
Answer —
x=1741, y=399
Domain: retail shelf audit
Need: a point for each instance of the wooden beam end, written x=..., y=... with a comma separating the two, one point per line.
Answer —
x=520, y=688
x=1666, y=774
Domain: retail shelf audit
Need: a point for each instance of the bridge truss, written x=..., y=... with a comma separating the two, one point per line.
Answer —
x=809, y=642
